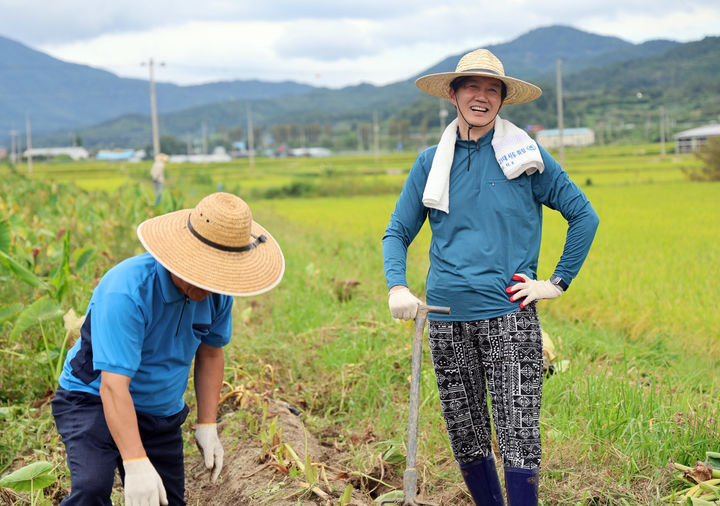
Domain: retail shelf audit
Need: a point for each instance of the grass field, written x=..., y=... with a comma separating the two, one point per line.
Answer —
x=638, y=328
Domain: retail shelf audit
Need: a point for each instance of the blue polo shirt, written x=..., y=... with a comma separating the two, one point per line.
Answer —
x=492, y=231
x=139, y=325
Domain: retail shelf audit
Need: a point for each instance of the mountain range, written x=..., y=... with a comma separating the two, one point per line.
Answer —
x=602, y=76
x=57, y=94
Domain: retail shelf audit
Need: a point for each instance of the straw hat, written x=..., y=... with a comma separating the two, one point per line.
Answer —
x=216, y=246
x=480, y=62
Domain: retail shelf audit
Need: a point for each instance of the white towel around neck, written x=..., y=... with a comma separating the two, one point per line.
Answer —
x=515, y=151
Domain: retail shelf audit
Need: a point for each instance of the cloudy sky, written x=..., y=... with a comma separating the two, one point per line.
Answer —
x=321, y=42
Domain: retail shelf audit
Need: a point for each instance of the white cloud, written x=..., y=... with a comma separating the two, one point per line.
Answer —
x=51, y=21
x=685, y=24
x=192, y=52
x=329, y=40
x=322, y=42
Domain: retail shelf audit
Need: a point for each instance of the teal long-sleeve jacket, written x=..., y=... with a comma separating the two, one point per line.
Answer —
x=492, y=230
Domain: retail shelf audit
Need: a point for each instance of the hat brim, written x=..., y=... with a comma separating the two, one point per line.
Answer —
x=518, y=91
x=168, y=239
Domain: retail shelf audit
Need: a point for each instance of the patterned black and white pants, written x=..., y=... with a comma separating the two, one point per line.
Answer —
x=502, y=356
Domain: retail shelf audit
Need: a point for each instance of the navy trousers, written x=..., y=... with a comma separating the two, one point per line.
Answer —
x=93, y=457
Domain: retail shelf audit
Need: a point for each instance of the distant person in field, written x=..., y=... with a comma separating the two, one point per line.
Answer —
x=157, y=173
x=120, y=403
x=483, y=188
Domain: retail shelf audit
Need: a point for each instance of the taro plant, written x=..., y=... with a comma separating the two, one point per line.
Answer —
x=50, y=291
x=32, y=479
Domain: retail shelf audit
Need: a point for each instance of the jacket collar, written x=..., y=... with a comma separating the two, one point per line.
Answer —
x=485, y=140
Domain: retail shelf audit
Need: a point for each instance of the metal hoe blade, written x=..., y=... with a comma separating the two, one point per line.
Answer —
x=410, y=475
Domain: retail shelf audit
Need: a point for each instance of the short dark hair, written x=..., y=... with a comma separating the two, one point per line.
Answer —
x=459, y=81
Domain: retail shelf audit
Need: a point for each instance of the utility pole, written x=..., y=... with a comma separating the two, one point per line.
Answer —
x=29, y=143
x=204, y=138
x=153, y=107
x=13, y=154
x=443, y=117
x=662, y=130
x=251, y=138
x=376, y=135
x=558, y=78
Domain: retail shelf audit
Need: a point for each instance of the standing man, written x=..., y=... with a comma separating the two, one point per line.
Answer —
x=483, y=188
x=120, y=403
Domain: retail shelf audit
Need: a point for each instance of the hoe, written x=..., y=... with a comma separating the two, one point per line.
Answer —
x=410, y=474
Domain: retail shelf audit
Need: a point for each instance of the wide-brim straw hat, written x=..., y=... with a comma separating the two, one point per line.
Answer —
x=216, y=246
x=480, y=62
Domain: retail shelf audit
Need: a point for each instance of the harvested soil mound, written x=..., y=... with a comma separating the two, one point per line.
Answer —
x=253, y=474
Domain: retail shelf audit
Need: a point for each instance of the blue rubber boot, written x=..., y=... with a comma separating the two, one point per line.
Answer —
x=482, y=481
x=522, y=486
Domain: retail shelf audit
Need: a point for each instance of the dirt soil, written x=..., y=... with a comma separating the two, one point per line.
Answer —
x=251, y=476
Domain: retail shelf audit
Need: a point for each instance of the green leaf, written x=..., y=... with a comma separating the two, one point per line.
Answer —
x=34, y=476
x=21, y=271
x=41, y=310
x=696, y=501
x=62, y=272
x=347, y=495
x=310, y=473
x=83, y=256
x=46, y=357
x=713, y=458
x=394, y=454
x=7, y=312
x=5, y=236
x=389, y=496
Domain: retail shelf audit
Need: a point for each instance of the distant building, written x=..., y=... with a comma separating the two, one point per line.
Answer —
x=571, y=137
x=691, y=140
x=239, y=150
x=74, y=152
x=219, y=155
x=120, y=155
x=314, y=152
x=3, y=153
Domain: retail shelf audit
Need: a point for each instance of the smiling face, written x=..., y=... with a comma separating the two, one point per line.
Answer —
x=192, y=291
x=478, y=100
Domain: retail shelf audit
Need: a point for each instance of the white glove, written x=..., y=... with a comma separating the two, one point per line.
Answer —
x=211, y=448
x=532, y=290
x=403, y=304
x=143, y=485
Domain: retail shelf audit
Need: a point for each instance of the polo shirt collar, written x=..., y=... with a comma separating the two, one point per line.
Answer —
x=170, y=292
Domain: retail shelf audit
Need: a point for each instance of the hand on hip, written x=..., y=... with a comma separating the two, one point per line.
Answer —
x=531, y=290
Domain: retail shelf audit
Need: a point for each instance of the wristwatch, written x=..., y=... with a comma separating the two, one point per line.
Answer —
x=558, y=281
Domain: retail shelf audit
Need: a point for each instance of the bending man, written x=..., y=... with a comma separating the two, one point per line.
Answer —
x=120, y=399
